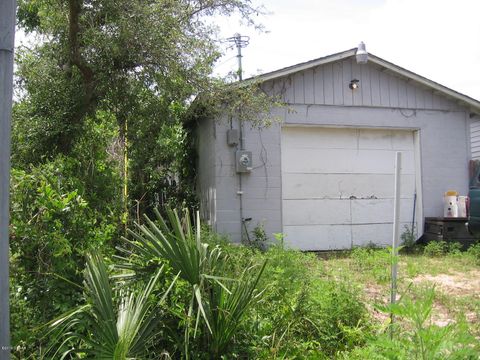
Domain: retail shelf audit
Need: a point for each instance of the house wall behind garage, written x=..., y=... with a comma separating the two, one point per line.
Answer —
x=320, y=97
x=475, y=138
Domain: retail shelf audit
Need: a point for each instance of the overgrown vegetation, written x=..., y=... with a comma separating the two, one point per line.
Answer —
x=415, y=337
x=180, y=291
x=436, y=314
x=102, y=134
x=102, y=148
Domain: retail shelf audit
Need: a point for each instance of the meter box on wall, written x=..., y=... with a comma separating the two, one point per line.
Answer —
x=243, y=161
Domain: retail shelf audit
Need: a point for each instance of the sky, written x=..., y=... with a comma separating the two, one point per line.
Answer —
x=437, y=39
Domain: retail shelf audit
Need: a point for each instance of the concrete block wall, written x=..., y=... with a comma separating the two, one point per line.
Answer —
x=444, y=155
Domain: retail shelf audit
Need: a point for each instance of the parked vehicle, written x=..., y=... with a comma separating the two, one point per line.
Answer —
x=473, y=206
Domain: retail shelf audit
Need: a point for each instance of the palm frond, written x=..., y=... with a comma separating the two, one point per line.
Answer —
x=112, y=332
x=175, y=241
x=220, y=301
x=228, y=307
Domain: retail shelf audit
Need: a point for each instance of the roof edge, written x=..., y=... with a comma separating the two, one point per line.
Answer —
x=305, y=65
x=475, y=104
x=471, y=103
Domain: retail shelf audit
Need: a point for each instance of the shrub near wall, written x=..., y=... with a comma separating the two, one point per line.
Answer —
x=52, y=227
x=304, y=312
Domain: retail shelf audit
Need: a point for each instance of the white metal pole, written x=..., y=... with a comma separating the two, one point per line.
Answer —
x=7, y=34
x=395, y=237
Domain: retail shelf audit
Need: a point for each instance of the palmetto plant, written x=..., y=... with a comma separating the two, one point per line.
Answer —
x=113, y=331
x=226, y=308
x=175, y=241
x=220, y=301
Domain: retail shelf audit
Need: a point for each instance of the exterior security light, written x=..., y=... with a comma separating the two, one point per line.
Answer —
x=361, y=55
x=354, y=84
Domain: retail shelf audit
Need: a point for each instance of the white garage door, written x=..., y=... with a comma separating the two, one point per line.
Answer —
x=338, y=185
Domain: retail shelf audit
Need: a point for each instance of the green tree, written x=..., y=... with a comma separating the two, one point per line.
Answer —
x=107, y=54
x=141, y=61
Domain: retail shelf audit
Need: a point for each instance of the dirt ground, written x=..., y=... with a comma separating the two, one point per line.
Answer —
x=454, y=283
x=452, y=287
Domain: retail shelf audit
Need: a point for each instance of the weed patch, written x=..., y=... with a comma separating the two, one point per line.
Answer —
x=374, y=261
x=416, y=337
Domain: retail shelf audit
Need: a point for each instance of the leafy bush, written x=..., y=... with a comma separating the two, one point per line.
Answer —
x=435, y=248
x=52, y=227
x=439, y=248
x=260, y=238
x=474, y=252
x=408, y=239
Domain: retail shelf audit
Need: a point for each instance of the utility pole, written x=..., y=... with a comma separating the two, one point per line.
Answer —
x=240, y=42
x=7, y=44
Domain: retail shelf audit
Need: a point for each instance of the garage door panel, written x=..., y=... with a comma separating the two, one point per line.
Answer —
x=336, y=186
x=318, y=237
x=315, y=212
x=402, y=140
x=377, y=139
x=385, y=139
x=317, y=160
x=380, y=234
x=406, y=210
x=344, y=212
x=382, y=162
x=343, y=138
x=344, y=161
x=377, y=211
x=311, y=138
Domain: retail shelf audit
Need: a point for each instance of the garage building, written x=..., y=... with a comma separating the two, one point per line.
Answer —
x=324, y=174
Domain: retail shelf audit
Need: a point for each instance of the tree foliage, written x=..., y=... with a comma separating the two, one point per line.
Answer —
x=107, y=54
x=141, y=62
x=98, y=132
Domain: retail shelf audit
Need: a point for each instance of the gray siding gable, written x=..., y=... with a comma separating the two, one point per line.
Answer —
x=337, y=67
x=328, y=84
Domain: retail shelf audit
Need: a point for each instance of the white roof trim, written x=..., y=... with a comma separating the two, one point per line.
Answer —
x=473, y=104
x=306, y=65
